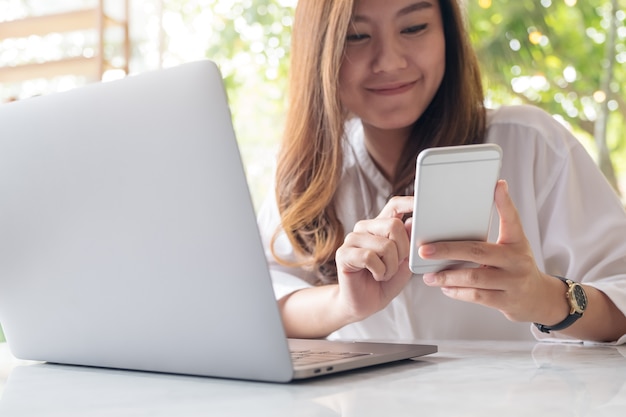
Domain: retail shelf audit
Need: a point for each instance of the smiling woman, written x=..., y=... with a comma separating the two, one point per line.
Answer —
x=372, y=84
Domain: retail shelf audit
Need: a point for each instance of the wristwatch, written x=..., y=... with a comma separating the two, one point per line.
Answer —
x=577, y=300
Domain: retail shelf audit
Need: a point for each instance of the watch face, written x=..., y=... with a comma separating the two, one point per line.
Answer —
x=579, y=297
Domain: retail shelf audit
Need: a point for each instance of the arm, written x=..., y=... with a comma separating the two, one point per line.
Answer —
x=311, y=313
x=602, y=320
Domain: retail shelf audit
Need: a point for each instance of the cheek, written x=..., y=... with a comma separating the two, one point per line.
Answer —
x=433, y=64
x=345, y=74
x=353, y=68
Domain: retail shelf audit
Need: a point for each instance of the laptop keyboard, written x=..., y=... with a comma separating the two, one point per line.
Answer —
x=310, y=357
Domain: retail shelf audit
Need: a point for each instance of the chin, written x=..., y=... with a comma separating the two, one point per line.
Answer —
x=394, y=118
x=391, y=123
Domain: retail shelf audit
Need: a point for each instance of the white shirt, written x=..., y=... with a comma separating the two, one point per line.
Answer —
x=574, y=221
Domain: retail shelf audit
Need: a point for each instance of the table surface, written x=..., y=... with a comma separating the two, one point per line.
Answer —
x=463, y=379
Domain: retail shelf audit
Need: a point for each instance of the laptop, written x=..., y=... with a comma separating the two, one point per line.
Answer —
x=128, y=237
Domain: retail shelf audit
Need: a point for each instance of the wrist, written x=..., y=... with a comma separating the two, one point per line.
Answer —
x=556, y=307
x=312, y=312
x=346, y=310
x=576, y=299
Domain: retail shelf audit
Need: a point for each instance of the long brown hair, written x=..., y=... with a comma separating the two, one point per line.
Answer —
x=310, y=159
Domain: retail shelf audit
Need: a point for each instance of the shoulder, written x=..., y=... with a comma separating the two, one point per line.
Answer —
x=539, y=152
x=530, y=130
x=525, y=118
x=516, y=114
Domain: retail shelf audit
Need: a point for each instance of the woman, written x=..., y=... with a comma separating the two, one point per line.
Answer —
x=373, y=83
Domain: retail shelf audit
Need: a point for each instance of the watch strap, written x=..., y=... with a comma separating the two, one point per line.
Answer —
x=568, y=321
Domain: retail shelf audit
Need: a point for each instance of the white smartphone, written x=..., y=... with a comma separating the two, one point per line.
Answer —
x=454, y=190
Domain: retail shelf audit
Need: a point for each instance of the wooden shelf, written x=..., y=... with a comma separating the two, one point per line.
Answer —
x=91, y=19
x=81, y=66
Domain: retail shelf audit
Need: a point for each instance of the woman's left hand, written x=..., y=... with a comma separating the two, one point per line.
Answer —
x=508, y=278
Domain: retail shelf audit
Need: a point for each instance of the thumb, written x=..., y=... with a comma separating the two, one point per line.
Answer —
x=511, y=230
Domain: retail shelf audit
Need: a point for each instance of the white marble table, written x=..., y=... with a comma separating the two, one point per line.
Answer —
x=463, y=379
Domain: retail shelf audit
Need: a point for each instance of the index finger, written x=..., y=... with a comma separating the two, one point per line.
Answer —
x=478, y=252
x=397, y=207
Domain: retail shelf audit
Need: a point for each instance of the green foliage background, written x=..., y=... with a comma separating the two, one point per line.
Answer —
x=550, y=53
x=557, y=54
x=250, y=42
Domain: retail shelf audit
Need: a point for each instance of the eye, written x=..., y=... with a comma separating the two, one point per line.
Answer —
x=415, y=29
x=356, y=37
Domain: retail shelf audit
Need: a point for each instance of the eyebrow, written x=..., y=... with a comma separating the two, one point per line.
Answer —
x=421, y=5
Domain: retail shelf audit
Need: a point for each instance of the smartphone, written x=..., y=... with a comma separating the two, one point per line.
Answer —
x=454, y=191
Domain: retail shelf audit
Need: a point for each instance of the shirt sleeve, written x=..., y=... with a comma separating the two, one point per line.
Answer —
x=584, y=226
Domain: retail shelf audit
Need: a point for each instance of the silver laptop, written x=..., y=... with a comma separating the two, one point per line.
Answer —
x=128, y=237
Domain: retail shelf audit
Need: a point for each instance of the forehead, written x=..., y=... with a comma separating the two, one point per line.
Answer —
x=373, y=9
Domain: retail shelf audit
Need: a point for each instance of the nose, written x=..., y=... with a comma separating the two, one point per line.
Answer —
x=389, y=55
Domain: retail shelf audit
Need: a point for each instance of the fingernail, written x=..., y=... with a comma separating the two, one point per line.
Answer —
x=429, y=278
x=506, y=186
x=427, y=250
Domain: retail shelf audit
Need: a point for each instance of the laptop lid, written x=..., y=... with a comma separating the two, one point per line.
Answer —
x=128, y=238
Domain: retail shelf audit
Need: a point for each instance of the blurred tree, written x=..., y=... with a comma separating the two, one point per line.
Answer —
x=565, y=56
x=249, y=40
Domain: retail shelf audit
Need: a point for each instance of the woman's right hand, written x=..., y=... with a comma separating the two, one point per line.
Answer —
x=372, y=263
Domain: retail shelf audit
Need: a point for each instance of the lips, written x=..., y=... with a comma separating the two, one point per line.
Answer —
x=391, y=89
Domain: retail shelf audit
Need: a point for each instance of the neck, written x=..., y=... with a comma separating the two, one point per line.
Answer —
x=385, y=148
